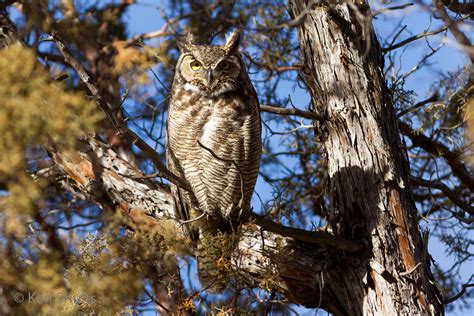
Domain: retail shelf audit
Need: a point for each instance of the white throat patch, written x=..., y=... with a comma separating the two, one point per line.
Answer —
x=193, y=88
x=225, y=88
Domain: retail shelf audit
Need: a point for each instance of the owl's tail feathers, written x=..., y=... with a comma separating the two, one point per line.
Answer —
x=214, y=253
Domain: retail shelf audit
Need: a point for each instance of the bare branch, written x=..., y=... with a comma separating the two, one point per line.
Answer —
x=461, y=293
x=446, y=190
x=296, y=112
x=414, y=38
x=270, y=67
x=440, y=150
x=433, y=98
x=316, y=237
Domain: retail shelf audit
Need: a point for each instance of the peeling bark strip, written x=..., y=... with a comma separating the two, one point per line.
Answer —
x=369, y=186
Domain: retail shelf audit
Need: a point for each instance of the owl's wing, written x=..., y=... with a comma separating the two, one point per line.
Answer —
x=182, y=209
x=181, y=198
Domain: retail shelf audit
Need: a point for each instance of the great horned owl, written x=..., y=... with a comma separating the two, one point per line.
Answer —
x=213, y=136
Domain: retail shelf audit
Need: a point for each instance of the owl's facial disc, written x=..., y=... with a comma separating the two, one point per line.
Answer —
x=212, y=78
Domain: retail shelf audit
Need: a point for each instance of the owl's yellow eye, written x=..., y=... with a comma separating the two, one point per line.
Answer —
x=225, y=65
x=195, y=65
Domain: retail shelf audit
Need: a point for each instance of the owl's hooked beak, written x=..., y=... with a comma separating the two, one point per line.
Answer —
x=209, y=77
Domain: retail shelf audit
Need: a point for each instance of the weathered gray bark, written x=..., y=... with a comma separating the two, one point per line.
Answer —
x=369, y=175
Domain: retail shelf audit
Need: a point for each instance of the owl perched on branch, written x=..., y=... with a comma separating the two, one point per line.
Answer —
x=213, y=138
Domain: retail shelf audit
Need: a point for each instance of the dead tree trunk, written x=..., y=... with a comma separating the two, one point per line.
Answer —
x=369, y=175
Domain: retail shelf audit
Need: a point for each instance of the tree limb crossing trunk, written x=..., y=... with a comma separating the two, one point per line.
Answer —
x=369, y=174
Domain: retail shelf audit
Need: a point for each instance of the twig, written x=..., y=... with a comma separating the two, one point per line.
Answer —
x=413, y=38
x=439, y=150
x=461, y=293
x=140, y=38
x=438, y=185
x=397, y=7
x=143, y=176
x=192, y=219
x=169, y=24
x=411, y=270
x=433, y=98
x=155, y=300
x=270, y=67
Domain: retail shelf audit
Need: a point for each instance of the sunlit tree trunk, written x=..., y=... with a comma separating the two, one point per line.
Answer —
x=369, y=175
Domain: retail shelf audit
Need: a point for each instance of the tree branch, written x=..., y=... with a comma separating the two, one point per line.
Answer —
x=457, y=7
x=439, y=150
x=104, y=177
x=458, y=295
x=127, y=187
x=433, y=98
x=446, y=190
x=296, y=112
x=316, y=237
x=413, y=38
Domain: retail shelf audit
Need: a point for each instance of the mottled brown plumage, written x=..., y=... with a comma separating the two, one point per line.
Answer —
x=8, y=33
x=213, y=137
x=214, y=134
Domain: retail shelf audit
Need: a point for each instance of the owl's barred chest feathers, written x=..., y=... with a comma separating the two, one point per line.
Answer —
x=213, y=134
x=212, y=121
x=216, y=142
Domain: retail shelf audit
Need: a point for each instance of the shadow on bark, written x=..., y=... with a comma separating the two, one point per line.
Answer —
x=318, y=277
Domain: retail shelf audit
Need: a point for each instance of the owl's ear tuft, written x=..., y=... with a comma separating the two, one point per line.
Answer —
x=232, y=41
x=185, y=43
